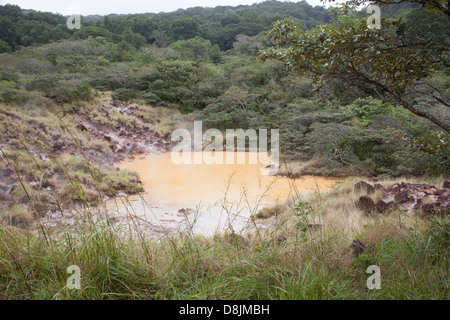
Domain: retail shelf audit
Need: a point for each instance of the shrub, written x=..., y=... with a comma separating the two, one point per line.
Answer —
x=69, y=90
x=363, y=109
x=124, y=94
x=72, y=192
x=11, y=92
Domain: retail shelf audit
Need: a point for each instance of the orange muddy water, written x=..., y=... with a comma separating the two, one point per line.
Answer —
x=212, y=196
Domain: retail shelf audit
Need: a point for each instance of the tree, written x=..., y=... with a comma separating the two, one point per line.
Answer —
x=184, y=28
x=4, y=47
x=249, y=45
x=430, y=5
x=193, y=49
x=236, y=96
x=389, y=61
x=135, y=39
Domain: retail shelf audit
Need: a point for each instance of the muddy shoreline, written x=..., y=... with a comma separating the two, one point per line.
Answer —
x=126, y=132
x=126, y=142
x=49, y=157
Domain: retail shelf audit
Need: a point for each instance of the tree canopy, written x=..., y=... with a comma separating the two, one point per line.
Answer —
x=392, y=62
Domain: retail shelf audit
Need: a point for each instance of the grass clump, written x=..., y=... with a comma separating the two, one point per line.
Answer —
x=35, y=199
x=17, y=215
x=76, y=193
x=121, y=119
x=269, y=212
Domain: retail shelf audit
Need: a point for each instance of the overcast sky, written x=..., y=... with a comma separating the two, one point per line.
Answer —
x=103, y=7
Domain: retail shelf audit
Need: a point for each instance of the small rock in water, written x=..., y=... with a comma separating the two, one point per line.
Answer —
x=184, y=212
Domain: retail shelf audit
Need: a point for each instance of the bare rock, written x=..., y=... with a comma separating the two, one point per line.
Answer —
x=364, y=186
x=382, y=207
x=446, y=184
x=430, y=191
x=394, y=189
x=402, y=197
x=444, y=197
x=404, y=185
x=378, y=186
x=365, y=204
x=418, y=204
x=391, y=204
x=431, y=209
x=435, y=209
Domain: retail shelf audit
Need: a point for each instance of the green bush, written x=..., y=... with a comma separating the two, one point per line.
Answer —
x=67, y=91
x=362, y=110
x=11, y=92
x=125, y=94
x=435, y=146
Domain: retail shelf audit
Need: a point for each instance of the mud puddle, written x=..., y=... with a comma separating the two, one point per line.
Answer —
x=207, y=198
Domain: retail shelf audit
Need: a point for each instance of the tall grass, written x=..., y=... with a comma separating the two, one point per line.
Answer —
x=302, y=252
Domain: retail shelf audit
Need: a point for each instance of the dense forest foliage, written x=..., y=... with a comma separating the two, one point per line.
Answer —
x=219, y=25
x=207, y=61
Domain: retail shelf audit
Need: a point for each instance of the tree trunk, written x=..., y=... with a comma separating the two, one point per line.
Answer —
x=442, y=124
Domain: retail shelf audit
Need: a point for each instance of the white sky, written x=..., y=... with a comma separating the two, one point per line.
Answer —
x=103, y=7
